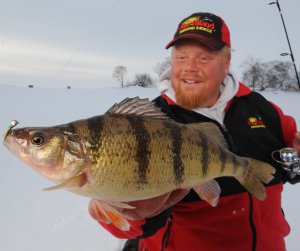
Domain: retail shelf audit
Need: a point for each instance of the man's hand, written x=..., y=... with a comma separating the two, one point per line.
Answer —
x=296, y=142
x=142, y=209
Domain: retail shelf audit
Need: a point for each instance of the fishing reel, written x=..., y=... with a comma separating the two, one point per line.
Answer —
x=289, y=160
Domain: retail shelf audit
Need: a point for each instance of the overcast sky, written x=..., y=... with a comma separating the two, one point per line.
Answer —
x=56, y=43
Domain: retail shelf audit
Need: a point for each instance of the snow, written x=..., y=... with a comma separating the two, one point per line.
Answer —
x=32, y=219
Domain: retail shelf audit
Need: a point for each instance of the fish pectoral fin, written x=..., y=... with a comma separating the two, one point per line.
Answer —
x=209, y=191
x=78, y=180
x=108, y=214
x=121, y=205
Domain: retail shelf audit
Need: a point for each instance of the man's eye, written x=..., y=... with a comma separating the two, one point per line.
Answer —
x=181, y=57
x=203, y=59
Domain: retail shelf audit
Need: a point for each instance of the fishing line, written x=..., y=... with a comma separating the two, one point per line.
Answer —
x=101, y=21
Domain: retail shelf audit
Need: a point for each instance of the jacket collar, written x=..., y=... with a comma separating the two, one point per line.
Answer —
x=229, y=89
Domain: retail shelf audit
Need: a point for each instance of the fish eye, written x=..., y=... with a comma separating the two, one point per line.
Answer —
x=38, y=139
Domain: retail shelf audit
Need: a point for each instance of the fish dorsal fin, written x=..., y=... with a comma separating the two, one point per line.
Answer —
x=136, y=107
x=212, y=131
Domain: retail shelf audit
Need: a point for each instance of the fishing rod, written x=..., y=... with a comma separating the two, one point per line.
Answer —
x=287, y=37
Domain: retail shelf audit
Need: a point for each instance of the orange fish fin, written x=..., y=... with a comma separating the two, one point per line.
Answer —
x=100, y=213
x=121, y=205
x=108, y=215
x=209, y=191
x=78, y=180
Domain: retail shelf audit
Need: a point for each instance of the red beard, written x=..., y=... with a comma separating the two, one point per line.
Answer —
x=190, y=99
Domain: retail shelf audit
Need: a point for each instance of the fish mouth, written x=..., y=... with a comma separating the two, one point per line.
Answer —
x=8, y=140
x=16, y=146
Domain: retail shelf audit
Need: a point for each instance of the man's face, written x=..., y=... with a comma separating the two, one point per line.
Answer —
x=197, y=73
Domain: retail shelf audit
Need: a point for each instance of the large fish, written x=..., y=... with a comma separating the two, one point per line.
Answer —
x=134, y=152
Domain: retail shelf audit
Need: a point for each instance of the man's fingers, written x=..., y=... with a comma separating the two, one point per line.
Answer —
x=175, y=197
x=296, y=142
x=142, y=209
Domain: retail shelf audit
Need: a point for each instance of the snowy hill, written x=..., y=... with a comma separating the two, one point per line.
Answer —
x=31, y=219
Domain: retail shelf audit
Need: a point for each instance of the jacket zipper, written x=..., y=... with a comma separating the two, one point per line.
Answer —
x=231, y=145
x=233, y=148
x=252, y=226
x=166, y=236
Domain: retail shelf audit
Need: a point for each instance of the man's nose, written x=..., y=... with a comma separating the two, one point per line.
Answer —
x=191, y=66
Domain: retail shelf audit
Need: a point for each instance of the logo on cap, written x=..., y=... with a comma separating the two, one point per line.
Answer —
x=196, y=24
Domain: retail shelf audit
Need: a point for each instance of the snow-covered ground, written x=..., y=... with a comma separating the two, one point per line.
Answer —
x=31, y=219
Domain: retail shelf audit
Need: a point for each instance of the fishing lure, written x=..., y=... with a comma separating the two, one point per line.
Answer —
x=12, y=124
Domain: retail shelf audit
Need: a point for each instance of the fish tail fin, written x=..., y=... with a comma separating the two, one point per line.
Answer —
x=107, y=214
x=257, y=173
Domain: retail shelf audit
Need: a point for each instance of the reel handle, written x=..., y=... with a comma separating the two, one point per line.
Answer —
x=289, y=160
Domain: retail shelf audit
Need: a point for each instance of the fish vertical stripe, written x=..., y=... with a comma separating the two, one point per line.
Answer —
x=204, y=153
x=72, y=129
x=71, y=132
x=142, y=153
x=235, y=163
x=178, y=165
x=223, y=159
x=95, y=127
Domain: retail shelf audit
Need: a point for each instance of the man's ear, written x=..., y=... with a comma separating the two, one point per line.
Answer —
x=227, y=65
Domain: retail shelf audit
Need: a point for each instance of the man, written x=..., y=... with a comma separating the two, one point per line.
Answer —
x=200, y=88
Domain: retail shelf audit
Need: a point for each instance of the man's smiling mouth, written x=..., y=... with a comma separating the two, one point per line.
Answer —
x=188, y=81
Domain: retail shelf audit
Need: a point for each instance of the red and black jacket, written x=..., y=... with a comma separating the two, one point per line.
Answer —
x=253, y=128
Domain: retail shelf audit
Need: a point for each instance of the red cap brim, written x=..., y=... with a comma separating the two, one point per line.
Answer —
x=207, y=41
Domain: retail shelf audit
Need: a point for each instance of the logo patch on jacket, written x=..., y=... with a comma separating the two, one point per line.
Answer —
x=254, y=122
